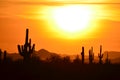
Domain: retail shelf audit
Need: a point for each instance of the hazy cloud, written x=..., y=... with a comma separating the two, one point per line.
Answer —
x=57, y=2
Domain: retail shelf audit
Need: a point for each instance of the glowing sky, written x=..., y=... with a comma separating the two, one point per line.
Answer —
x=16, y=16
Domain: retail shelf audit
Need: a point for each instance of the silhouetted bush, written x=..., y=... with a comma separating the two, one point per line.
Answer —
x=54, y=59
x=77, y=60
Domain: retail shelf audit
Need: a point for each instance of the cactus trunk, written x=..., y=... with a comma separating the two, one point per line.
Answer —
x=82, y=53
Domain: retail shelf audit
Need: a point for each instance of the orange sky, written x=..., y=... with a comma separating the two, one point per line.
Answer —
x=16, y=16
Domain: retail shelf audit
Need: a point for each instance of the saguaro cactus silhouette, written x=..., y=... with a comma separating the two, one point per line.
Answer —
x=26, y=50
x=82, y=53
x=91, y=55
x=100, y=55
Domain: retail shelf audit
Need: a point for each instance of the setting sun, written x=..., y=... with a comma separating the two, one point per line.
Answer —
x=73, y=18
x=60, y=39
x=72, y=21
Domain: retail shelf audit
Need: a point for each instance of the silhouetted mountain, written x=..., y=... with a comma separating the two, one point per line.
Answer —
x=114, y=56
x=14, y=56
x=44, y=54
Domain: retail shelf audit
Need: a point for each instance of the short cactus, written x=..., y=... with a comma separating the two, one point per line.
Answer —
x=91, y=55
x=82, y=53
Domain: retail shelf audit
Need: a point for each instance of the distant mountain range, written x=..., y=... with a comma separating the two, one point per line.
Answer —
x=114, y=56
x=42, y=53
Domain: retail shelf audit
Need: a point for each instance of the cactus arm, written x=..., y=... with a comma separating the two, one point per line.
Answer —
x=22, y=47
x=20, y=51
x=98, y=55
x=30, y=42
x=32, y=49
x=81, y=53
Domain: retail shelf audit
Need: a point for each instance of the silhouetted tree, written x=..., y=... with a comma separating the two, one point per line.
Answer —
x=100, y=55
x=82, y=53
x=26, y=50
x=54, y=59
x=91, y=55
x=66, y=59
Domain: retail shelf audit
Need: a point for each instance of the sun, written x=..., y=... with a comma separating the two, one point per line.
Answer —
x=72, y=19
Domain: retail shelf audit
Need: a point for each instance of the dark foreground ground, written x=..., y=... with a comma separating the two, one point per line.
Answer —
x=54, y=71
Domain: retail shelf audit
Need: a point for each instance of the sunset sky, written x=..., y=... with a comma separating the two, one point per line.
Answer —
x=47, y=19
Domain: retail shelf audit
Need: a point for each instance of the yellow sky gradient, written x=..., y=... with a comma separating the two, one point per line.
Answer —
x=16, y=16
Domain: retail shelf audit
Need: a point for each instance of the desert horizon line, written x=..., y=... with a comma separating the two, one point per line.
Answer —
x=27, y=39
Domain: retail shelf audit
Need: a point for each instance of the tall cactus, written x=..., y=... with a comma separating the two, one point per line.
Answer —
x=100, y=55
x=26, y=50
x=82, y=53
x=91, y=55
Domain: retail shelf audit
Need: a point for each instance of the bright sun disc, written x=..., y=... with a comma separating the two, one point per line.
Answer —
x=71, y=21
x=72, y=18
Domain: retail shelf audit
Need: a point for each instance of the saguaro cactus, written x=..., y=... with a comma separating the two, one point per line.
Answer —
x=91, y=55
x=100, y=55
x=82, y=53
x=26, y=50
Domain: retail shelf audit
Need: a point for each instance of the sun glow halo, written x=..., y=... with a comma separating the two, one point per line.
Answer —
x=71, y=21
x=72, y=18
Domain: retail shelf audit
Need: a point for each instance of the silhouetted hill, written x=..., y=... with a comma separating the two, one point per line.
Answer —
x=114, y=56
x=43, y=54
x=14, y=56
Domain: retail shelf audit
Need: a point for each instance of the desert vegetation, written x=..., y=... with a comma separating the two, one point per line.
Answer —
x=56, y=67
